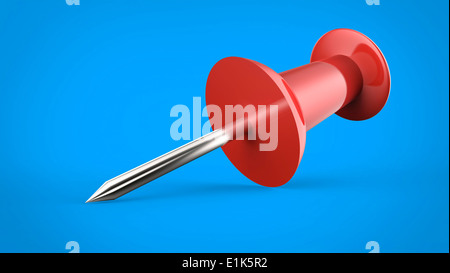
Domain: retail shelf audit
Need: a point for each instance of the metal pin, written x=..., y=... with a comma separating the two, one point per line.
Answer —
x=159, y=166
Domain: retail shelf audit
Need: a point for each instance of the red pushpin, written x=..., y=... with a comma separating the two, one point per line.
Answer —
x=348, y=75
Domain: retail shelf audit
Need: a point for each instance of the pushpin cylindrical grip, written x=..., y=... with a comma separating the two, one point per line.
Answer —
x=322, y=88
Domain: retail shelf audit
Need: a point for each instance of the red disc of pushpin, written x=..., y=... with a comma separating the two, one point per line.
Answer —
x=348, y=75
x=238, y=81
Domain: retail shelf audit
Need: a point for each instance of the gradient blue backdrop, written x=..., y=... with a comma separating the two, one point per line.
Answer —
x=85, y=94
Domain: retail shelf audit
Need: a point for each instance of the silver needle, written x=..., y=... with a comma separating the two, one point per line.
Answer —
x=159, y=166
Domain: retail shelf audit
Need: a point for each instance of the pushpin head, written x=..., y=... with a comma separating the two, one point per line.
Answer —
x=348, y=75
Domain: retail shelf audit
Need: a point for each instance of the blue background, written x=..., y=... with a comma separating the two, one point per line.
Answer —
x=86, y=91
